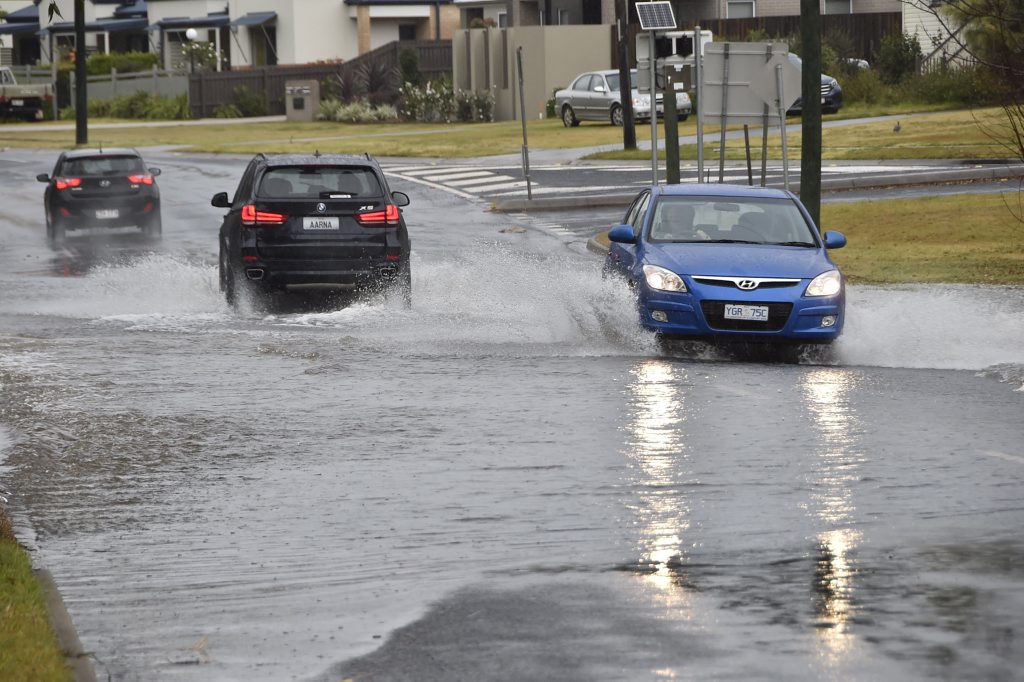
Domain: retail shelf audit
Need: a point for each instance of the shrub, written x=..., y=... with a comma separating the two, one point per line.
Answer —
x=227, y=110
x=898, y=57
x=358, y=111
x=409, y=63
x=138, y=105
x=249, y=102
x=100, y=63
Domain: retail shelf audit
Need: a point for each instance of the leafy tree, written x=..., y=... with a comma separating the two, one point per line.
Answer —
x=992, y=32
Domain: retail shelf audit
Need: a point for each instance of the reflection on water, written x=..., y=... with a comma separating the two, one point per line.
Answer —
x=658, y=454
x=826, y=397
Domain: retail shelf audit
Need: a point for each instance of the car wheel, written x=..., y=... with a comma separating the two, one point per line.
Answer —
x=229, y=283
x=56, y=232
x=569, y=119
x=154, y=228
x=683, y=117
x=405, y=282
x=616, y=115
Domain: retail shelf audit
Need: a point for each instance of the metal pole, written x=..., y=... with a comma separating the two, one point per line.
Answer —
x=654, y=115
x=782, y=124
x=698, y=75
x=764, y=129
x=725, y=113
x=81, y=77
x=522, y=110
x=746, y=146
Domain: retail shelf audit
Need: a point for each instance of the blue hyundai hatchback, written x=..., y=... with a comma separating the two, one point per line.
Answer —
x=729, y=263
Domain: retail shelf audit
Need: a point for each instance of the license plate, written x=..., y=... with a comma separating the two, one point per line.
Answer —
x=321, y=223
x=107, y=214
x=758, y=313
x=822, y=100
x=18, y=102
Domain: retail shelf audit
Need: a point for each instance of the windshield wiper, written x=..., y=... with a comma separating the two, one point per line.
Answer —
x=731, y=241
x=792, y=244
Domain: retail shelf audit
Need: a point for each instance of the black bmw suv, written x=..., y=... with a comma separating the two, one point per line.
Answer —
x=101, y=188
x=323, y=222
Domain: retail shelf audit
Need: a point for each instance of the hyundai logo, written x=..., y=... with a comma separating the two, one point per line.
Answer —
x=747, y=284
x=321, y=207
x=104, y=183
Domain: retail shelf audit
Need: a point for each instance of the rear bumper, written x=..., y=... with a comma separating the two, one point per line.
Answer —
x=317, y=275
x=83, y=213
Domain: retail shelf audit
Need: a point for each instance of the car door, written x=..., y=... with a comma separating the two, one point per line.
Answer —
x=581, y=96
x=622, y=258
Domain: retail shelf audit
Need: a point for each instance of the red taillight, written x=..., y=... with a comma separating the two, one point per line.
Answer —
x=64, y=183
x=144, y=179
x=389, y=216
x=250, y=216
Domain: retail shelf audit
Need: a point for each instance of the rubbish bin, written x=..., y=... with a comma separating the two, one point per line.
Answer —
x=302, y=100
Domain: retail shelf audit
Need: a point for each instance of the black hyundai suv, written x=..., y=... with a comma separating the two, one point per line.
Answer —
x=316, y=223
x=101, y=188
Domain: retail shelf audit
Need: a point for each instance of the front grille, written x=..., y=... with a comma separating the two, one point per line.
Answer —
x=714, y=313
x=732, y=282
x=826, y=88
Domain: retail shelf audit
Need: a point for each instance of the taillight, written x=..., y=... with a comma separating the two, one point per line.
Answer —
x=144, y=179
x=64, y=183
x=250, y=216
x=389, y=216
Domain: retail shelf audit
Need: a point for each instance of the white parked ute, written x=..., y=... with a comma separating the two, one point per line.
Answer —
x=28, y=102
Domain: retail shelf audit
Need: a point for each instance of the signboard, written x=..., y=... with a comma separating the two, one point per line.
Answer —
x=740, y=79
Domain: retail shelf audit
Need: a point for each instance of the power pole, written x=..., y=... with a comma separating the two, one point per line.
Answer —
x=81, y=77
x=810, y=91
x=625, y=86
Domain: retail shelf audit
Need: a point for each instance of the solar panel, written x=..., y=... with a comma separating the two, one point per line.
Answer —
x=656, y=16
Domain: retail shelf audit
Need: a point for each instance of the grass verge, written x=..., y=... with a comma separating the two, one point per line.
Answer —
x=969, y=238
x=944, y=134
x=28, y=645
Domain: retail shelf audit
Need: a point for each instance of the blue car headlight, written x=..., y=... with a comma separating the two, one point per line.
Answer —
x=826, y=284
x=663, y=280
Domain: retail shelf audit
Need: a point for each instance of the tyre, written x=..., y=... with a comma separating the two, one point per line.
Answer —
x=228, y=278
x=683, y=117
x=569, y=119
x=153, y=229
x=616, y=115
x=55, y=233
x=405, y=285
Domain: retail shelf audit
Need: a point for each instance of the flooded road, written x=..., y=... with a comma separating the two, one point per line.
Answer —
x=509, y=480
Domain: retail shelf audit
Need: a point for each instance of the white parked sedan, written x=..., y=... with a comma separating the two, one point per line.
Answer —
x=594, y=96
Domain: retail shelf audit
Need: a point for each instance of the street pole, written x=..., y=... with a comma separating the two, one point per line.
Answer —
x=81, y=77
x=810, y=91
x=625, y=86
x=654, y=114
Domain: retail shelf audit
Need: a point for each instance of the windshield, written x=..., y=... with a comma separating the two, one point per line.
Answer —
x=337, y=182
x=751, y=220
x=613, y=81
x=102, y=165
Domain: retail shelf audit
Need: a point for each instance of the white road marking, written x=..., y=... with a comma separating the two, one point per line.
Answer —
x=444, y=177
x=489, y=180
x=504, y=185
x=1002, y=455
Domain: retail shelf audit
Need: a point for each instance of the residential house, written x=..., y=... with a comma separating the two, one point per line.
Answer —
x=505, y=13
x=245, y=32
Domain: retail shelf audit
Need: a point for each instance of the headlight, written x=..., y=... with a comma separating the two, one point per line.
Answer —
x=826, y=284
x=663, y=280
x=642, y=102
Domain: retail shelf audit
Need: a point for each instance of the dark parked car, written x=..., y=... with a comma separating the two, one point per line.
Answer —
x=831, y=93
x=101, y=188
x=302, y=224
x=729, y=263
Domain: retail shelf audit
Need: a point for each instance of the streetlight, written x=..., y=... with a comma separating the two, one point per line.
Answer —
x=191, y=34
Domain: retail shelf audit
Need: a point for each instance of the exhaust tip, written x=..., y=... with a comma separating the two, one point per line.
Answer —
x=254, y=274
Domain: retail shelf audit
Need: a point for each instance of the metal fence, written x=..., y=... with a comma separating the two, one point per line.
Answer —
x=155, y=81
x=210, y=90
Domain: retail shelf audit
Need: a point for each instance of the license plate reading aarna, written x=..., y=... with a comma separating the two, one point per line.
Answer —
x=757, y=313
x=321, y=222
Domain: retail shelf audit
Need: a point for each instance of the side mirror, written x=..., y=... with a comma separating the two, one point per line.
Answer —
x=43, y=177
x=622, y=234
x=400, y=198
x=154, y=172
x=220, y=200
x=835, y=240
x=599, y=88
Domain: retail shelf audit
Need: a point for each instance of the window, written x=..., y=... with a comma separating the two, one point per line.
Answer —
x=319, y=182
x=563, y=17
x=503, y=20
x=740, y=9
x=407, y=31
x=838, y=7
